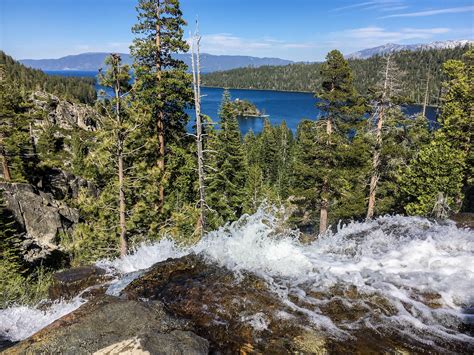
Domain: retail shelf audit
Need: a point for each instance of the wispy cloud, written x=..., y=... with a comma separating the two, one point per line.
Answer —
x=451, y=10
x=379, y=34
x=382, y=5
x=226, y=43
x=355, y=39
x=121, y=47
x=354, y=6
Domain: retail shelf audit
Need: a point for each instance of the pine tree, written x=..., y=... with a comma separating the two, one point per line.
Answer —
x=15, y=143
x=268, y=152
x=284, y=138
x=12, y=265
x=108, y=214
x=342, y=109
x=226, y=178
x=307, y=167
x=435, y=180
x=162, y=84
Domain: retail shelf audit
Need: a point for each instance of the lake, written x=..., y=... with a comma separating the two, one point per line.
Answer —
x=291, y=107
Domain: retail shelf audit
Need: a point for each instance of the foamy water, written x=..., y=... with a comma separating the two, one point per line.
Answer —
x=17, y=323
x=398, y=258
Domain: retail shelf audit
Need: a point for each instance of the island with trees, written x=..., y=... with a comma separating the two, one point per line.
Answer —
x=193, y=237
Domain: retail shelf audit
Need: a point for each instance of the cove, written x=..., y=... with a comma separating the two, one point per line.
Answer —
x=291, y=107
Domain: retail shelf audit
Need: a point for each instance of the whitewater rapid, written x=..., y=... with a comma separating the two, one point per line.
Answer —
x=398, y=258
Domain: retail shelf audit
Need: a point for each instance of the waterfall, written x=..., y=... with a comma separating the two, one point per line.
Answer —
x=420, y=273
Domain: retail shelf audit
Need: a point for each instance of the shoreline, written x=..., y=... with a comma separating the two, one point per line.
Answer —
x=217, y=87
x=293, y=91
x=248, y=89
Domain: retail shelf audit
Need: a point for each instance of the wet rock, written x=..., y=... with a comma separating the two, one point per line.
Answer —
x=240, y=313
x=464, y=220
x=41, y=217
x=234, y=314
x=69, y=283
x=108, y=324
x=5, y=343
x=190, y=305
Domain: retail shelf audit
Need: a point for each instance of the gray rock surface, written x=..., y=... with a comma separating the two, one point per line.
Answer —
x=62, y=184
x=39, y=215
x=65, y=114
x=108, y=325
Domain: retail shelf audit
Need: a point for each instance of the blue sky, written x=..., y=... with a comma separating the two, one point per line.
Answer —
x=298, y=29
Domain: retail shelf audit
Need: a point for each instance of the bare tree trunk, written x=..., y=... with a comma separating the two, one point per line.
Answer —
x=425, y=103
x=201, y=225
x=378, y=145
x=6, y=169
x=120, y=172
x=323, y=217
x=160, y=124
x=122, y=207
x=375, y=166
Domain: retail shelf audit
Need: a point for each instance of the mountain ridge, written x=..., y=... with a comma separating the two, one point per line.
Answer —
x=92, y=61
x=394, y=47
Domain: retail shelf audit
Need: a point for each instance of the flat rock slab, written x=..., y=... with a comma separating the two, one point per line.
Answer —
x=108, y=324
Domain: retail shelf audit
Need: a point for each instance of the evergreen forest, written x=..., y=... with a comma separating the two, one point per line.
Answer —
x=145, y=177
x=419, y=67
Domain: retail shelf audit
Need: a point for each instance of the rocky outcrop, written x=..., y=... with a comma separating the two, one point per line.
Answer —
x=39, y=216
x=109, y=325
x=62, y=184
x=65, y=114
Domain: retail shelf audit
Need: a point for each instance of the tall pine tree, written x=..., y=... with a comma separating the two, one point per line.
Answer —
x=162, y=85
x=438, y=178
x=342, y=111
x=227, y=174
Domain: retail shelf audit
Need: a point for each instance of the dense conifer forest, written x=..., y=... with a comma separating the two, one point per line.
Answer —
x=419, y=66
x=139, y=165
x=27, y=79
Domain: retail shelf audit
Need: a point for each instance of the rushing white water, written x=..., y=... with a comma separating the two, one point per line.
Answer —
x=17, y=323
x=400, y=259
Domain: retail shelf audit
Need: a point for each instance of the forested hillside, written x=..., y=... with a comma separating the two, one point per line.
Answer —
x=418, y=66
x=70, y=88
x=134, y=220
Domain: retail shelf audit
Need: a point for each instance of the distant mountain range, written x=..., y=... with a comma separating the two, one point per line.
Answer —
x=212, y=63
x=392, y=47
x=94, y=61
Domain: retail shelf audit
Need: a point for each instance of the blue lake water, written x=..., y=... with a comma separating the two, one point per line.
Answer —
x=291, y=107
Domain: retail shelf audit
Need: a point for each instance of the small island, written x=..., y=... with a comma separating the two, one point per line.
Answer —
x=244, y=108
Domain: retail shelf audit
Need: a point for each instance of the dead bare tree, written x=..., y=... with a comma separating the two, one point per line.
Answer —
x=117, y=77
x=196, y=68
x=385, y=91
x=425, y=102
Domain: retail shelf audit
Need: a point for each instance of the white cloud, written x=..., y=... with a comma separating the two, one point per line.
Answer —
x=355, y=39
x=452, y=10
x=226, y=43
x=379, y=34
x=354, y=6
x=382, y=5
